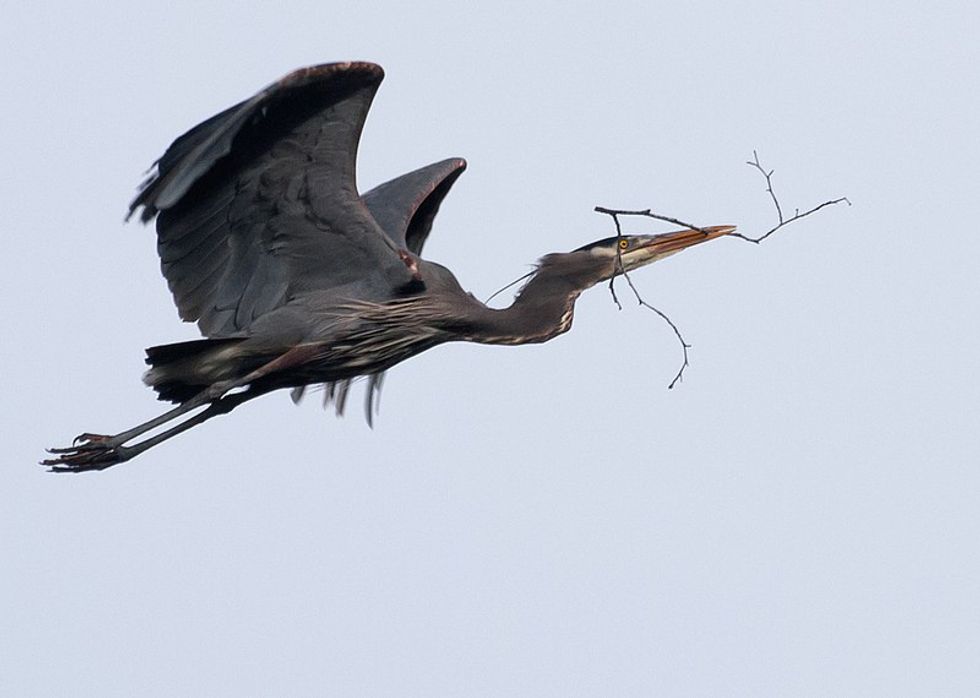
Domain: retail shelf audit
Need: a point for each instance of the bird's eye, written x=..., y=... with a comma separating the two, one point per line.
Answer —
x=623, y=243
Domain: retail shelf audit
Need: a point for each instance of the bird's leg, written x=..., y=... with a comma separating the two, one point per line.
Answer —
x=98, y=451
x=89, y=441
x=105, y=452
x=104, y=442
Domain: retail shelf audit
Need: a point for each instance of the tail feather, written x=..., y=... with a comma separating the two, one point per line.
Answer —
x=180, y=371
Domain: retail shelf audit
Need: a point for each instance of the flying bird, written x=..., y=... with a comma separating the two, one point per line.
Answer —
x=296, y=279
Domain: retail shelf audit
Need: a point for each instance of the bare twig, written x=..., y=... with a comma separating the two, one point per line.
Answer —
x=615, y=214
x=619, y=255
x=680, y=338
x=648, y=213
x=754, y=162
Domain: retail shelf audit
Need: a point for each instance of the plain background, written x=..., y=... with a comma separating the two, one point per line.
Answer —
x=798, y=517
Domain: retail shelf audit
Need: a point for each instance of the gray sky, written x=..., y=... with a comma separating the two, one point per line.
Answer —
x=799, y=517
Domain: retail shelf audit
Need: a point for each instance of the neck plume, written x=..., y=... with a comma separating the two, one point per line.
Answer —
x=544, y=307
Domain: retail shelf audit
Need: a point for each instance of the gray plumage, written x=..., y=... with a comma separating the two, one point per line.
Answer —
x=294, y=278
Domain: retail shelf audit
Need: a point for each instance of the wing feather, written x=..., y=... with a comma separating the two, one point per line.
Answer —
x=406, y=206
x=204, y=244
x=258, y=204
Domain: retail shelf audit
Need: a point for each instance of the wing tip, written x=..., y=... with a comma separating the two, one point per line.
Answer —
x=152, y=194
x=372, y=72
x=143, y=196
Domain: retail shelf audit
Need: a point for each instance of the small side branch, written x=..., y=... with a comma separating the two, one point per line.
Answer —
x=680, y=338
x=615, y=214
x=754, y=162
x=647, y=213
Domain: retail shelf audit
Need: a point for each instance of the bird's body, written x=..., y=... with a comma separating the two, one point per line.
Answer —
x=295, y=278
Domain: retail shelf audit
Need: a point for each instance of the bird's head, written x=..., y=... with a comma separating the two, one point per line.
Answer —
x=570, y=273
x=629, y=252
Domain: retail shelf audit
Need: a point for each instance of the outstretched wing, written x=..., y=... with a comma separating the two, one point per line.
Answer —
x=405, y=208
x=259, y=203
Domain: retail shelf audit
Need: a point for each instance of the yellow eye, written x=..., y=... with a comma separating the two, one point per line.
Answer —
x=623, y=243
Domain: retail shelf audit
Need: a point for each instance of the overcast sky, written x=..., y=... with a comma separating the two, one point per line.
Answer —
x=798, y=517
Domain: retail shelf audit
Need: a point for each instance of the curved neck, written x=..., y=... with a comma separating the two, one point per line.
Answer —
x=542, y=310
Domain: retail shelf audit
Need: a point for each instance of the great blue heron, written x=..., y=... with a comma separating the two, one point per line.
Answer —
x=296, y=279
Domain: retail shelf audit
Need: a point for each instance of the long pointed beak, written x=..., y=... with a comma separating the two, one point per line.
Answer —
x=646, y=249
x=659, y=246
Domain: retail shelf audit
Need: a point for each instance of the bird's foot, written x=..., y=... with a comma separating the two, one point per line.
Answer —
x=87, y=452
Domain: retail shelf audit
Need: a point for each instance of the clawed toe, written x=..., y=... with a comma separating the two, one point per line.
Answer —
x=91, y=451
x=90, y=455
x=88, y=437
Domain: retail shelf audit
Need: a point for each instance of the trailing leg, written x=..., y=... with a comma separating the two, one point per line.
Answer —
x=96, y=452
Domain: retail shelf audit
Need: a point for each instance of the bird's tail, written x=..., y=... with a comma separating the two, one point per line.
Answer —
x=180, y=371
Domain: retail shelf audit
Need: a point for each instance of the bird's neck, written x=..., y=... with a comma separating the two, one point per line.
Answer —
x=542, y=310
x=525, y=323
